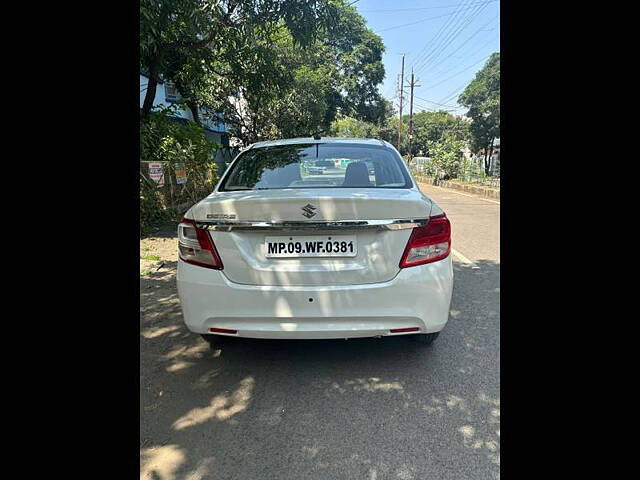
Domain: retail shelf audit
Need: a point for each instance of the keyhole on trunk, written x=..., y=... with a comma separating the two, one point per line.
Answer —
x=311, y=299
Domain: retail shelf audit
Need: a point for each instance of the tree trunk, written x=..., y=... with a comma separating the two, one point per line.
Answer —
x=150, y=95
x=190, y=103
x=486, y=164
x=194, y=111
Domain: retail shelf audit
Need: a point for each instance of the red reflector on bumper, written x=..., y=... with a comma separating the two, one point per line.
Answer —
x=401, y=330
x=222, y=330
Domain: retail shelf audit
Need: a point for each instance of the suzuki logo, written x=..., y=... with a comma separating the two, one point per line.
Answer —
x=308, y=210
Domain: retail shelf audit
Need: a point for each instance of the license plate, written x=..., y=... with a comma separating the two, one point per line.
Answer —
x=311, y=246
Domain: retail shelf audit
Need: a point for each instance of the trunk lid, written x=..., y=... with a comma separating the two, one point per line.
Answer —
x=244, y=253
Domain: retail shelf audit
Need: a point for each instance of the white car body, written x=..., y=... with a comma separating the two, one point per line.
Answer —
x=365, y=294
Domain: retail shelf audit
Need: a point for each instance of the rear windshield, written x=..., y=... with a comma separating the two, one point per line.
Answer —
x=323, y=165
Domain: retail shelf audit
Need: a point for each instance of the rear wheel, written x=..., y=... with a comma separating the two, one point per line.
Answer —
x=425, y=338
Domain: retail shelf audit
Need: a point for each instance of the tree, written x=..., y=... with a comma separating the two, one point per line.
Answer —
x=433, y=127
x=482, y=98
x=352, y=127
x=187, y=40
x=302, y=89
x=274, y=68
x=446, y=156
x=173, y=143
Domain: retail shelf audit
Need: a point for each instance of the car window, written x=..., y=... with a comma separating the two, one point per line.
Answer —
x=317, y=166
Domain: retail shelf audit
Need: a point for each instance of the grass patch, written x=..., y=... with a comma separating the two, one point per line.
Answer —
x=149, y=256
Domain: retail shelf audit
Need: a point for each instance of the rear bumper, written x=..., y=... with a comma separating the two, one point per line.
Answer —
x=417, y=297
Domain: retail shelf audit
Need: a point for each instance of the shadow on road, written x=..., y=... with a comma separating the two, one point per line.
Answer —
x=288, y=409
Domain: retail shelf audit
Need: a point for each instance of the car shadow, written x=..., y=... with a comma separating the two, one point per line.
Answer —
x=291, y=409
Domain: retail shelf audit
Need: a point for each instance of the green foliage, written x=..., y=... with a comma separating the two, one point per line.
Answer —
x=352, y=127
x=482, y=98
x=152, y=210
x=384, y=129
x=202, y=28
x=433, y=127
x=470, y=170
x=446, y=158
x=275, y=68
x=389, y=132
x=427, y=127
x=358, y=66
x=300, y=91
x=163, y=139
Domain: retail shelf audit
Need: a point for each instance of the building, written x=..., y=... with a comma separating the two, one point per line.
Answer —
x=215, y=128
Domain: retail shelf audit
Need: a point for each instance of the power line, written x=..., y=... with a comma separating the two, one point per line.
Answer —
x=412, y=23
x=419, y=21
x=430, y=45
x=428, y=109
x=450, y=38
x=453, y=94
x=482, y=46
x=418, y=8
x=461, y=71
x=440, y=74
x=436, y=103
x=464, y=43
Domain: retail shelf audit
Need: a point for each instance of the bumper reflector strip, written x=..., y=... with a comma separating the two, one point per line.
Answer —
x=222, y=330
x=401, y=330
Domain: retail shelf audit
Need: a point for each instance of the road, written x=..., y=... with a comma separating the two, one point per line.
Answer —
x=328, y=409
x=475, y=222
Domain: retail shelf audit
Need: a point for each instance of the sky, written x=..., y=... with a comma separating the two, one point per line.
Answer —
x=446, y=42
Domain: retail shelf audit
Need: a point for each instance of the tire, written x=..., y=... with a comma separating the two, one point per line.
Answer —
x=425, y=338
x=213, y=340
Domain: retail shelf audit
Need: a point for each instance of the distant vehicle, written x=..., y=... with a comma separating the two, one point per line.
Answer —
x=273, y=253
x=315, y=170
x=325, y=163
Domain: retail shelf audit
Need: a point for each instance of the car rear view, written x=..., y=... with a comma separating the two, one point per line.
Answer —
x=307, y=238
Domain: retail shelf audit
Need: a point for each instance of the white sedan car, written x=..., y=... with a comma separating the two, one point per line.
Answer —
x=276, y=253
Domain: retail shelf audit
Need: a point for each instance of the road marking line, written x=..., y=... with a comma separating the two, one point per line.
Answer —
x=449, y=190
x=464, y=259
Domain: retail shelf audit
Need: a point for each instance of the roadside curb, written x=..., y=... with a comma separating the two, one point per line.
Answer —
x=477, y=190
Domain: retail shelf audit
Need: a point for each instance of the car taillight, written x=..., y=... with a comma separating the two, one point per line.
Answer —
x=429, y=243
x=196, y=246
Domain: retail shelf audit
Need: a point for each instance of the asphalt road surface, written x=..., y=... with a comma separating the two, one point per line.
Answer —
x=328, y=409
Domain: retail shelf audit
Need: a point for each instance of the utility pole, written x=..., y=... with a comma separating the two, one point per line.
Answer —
x=412, y=85
x=401, y=94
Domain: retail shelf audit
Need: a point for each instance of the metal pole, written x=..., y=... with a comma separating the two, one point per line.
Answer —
x=411, y=117
x=401, y=94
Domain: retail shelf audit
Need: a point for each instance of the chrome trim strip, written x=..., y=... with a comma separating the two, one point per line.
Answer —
x=395, y=224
